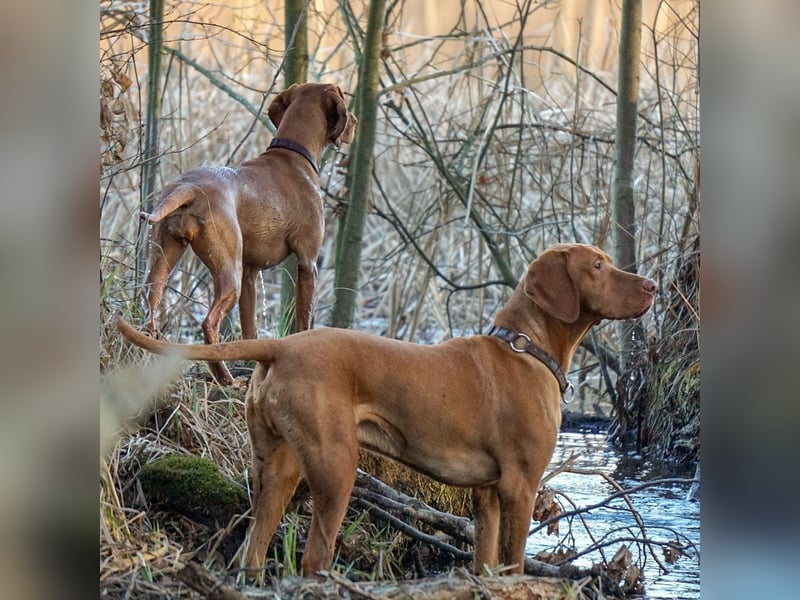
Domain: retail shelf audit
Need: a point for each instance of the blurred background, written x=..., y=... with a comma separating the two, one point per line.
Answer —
x=50, y=295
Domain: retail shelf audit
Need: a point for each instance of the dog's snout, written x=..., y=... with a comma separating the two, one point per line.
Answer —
x=649, y=286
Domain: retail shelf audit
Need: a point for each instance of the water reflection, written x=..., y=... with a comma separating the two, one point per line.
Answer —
x=664, y=510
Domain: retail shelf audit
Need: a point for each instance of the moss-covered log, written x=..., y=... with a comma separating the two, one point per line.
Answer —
x=192, y=486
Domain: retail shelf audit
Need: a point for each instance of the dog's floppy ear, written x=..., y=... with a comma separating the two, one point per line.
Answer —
x=549, y=284
x=342, y=130
x=279, y=105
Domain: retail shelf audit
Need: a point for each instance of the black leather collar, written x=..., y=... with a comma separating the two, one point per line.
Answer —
x=294, y=147
x=521, y=342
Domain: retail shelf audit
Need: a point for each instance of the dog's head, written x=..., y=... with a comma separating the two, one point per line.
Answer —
x=341, y=122
x=570, y=281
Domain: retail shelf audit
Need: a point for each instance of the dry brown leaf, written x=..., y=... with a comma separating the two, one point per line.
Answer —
x=545, y=508
x=671, y=553
x=551, y=558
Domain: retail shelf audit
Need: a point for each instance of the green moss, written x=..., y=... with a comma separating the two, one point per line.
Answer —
x=192, y=486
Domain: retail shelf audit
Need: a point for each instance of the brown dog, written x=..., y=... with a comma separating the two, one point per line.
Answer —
x=480, y=412
x=240, y=220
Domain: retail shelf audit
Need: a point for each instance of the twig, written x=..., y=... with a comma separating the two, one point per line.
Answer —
x=621, y=493
x=637, y=517
x=586, y=529
x=212, y=588
x=350, y=586
x=607, y=500
x=458, y=527
x=563, y=467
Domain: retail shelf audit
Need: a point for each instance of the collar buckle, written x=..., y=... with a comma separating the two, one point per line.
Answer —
x=520, y=336
x=568, y=395
x=528, y=346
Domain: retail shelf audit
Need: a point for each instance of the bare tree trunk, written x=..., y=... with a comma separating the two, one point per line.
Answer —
x=295, y=70
x=622, y=207
x=348, y=251
x=155, y=43
x=625, y=135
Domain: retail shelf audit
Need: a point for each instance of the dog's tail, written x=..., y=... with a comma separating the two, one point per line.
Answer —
x=178, y=197
x=258, y=350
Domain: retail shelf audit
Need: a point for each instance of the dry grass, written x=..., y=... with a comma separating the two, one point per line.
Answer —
x=140, y=546
x=472, y=167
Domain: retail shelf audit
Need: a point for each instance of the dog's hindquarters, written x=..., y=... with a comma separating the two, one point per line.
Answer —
x=196, y=210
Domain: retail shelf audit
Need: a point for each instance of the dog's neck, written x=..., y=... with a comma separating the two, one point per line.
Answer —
x=556, y=337
x=308, y=129
x=287, y=144
x=520, y=342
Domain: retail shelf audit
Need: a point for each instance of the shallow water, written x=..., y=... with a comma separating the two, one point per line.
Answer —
x=664, y=510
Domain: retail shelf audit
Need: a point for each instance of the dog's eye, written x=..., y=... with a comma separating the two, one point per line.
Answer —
x=598, y=265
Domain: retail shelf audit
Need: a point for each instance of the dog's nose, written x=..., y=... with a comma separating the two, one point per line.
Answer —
x=649, y=286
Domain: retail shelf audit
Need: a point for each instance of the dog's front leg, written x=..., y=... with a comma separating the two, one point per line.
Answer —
x=516, y=507
x=486, y=513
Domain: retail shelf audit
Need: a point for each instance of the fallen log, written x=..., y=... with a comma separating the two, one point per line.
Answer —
x=371, y=489
x=457, y=585
x=389, y=505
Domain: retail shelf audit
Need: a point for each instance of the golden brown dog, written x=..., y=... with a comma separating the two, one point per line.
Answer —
x=240, y=220
x=480, y=412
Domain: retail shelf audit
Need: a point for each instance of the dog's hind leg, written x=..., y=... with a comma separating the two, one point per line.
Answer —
x=226, y=294
x=220, y=249
x=330, y=470
x=165, y=252
x=276, y=473
x=247, y=303
x=304, y=293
